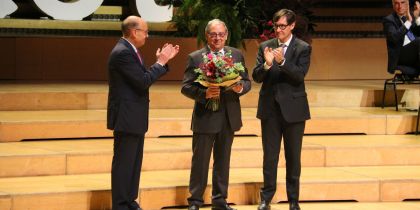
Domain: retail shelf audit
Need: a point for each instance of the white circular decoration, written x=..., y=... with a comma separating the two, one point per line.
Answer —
x=152, y=12
x=75, y=10
x=7, y=7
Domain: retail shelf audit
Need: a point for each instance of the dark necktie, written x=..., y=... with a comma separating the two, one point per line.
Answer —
x=138, y=55
x=410, y=34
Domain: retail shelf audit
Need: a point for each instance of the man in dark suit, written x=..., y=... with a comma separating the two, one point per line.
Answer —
x=402, y=29
x=213, y=129
x=281, y=66
x=128, y=107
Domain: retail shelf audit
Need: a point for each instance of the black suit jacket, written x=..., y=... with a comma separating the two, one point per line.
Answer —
x=395, y=32
x=284, y=84
x=129, y=82
x=208, y=121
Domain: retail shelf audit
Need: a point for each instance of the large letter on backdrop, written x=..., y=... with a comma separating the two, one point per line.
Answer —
x=7, y=7
x=74, y=10
x=152, y=12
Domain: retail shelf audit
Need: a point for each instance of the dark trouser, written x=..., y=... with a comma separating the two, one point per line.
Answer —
x=202, y=147
x=273, y=129
x=410, y=56
x=125, y=172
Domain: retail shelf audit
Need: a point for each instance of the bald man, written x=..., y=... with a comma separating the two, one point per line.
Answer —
x=128, y=107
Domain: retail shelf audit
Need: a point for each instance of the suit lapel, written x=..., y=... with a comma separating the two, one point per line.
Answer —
x=290, y=49
x=397, y=19
x=133, y=53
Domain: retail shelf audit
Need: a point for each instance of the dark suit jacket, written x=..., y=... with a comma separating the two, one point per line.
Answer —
x=129, y=82
x=284, y=84
x=208, y=121
x=395, y=32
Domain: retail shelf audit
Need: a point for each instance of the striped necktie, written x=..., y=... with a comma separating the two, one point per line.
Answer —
x=409, y=33
x=282, y=45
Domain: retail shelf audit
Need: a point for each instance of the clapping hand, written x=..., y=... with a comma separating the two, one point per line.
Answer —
x=407, y=14
x=268, y=56
x=416, y=10
x=273, y=54
x=167, y=53
x=278, y=54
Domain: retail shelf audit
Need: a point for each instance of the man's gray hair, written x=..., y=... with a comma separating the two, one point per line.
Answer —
x=215, y=21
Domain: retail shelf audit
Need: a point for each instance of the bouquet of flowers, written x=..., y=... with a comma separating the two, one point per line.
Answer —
x=218, y=70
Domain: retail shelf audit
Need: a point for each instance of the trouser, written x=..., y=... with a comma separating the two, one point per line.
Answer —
x=202, y=147
x=125, y=172
x=273, y=130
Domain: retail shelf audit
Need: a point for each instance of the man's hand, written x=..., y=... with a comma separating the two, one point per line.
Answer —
x=238, y=87
x=268, y=56
x=278, y=55
x=167, y=53
x=212, y=91
x=416, y=11
x=407, y=14
x=175, y=51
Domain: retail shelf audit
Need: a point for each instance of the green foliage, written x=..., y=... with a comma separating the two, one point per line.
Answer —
x=240, y=16
x=244, y=18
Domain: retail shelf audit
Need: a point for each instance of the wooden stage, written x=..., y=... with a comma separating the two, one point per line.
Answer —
x=55, y=152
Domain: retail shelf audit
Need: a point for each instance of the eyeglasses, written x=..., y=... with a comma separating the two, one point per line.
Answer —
x=214, y=35
x=281, y=26
x=139, y=29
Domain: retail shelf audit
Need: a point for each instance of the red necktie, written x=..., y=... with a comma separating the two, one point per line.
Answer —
x=138, y=55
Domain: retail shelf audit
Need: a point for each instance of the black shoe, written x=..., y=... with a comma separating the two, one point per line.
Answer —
x=264, y=205
x=134, y=206
x=225, y=207
x=193, y=207
x=294, y=205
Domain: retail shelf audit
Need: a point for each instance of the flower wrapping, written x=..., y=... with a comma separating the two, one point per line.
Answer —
x=218, y=70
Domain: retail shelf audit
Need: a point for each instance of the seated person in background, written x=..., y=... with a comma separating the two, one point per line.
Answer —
x=402, y=30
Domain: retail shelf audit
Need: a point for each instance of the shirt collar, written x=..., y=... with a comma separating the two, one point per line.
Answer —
x=135, y=49
x=221, y=51
x=287, y=43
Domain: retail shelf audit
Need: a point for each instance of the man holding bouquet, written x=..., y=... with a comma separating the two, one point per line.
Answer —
x=281, y=66
x=215, y=78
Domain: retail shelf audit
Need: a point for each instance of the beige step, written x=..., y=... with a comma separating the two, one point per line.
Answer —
x=169, y=188
x=93, y=95
x=338, y=206
x=94, y=156
x=19, y=125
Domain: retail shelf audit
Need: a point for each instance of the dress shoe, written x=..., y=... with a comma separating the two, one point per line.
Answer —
x=294, y=206
x=264, y=205
x=134, y=206
x=225, y=207
x=193, y=207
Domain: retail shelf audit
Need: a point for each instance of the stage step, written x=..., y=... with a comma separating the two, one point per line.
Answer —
x=20, y=125
x=170, y=188
x=93, y=95
x=67, y=157
x=333, y=206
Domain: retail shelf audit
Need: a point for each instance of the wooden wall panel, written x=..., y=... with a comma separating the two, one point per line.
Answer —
x=340, y=59
x=7, y=58
x=85, y=58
